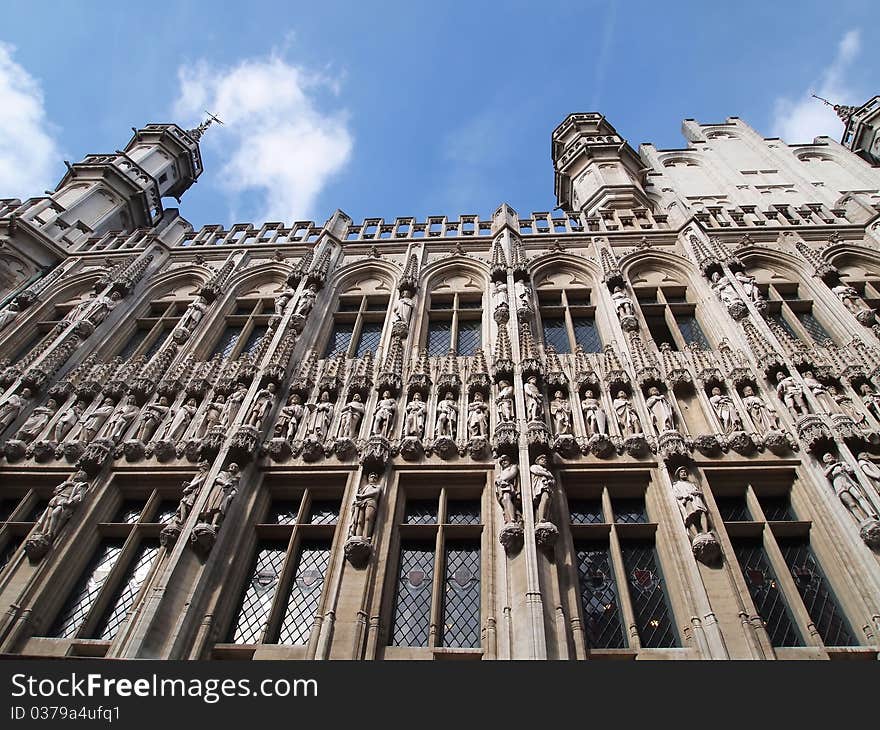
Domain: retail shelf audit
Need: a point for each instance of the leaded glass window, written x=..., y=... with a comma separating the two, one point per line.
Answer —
x=226, y=344
x=305, y=594
x=283, y=512
x=813, y=327
x=134, y=342
x=253, y=340
x=586, y=511
x=412, y=611
x=783, y=322
x=167, y=510
x=463, y=512
x=130, y=511
x=360, y=315
x=690, y=330
x=776, y=508
x=125, y=596
x=555, y=334
x=324, y=512
x=469, y=336
x=84, y=595
x=629, y=510
x=438, y=337
x=461, y=605
x=568, y=320
x=421, y=512
x=8, y=551
x=586, y=334
x=340, y=339
x=453, y=325
x=371, y=334
x=733, y=509
x=250, y=625
x=602, y=622
x=766, y=594
x=648, y=595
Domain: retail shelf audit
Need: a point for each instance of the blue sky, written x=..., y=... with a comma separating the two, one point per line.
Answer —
x=407, y=108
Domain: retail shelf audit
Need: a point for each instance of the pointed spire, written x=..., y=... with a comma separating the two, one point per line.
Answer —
x=644, y=363
x=333, y=375
x=502, y=359
x=449, y=378
x=520, y=262
x=584, y=373
x=499, y=260
x=528, y=352
x=197, y=132
x=420, y=376
x=301, y=267
x=555, y=374
x=615, y=375
x=409, y=280
x=843, y=111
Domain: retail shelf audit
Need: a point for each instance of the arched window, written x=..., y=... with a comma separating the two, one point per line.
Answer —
x=790, y=306
x=568, y=319
x=669, y=314
x=455, y=316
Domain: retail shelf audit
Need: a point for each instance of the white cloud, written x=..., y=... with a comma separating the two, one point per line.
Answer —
x=276, y=144
x=28, y=151
x=800, y=120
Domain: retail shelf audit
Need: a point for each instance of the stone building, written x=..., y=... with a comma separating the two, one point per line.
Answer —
x=645, y=425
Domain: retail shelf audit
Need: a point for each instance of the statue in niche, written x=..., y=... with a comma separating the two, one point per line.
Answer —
x=447, y=417
x=78, y=309
x=233, y=405
x=595, y=418
x=282, y=299
x=791, y=394
x=627, y=418
x=67, y=421
x=37, y=421
x=507, y=488
x=478, y=417
x=176, y=427
x=846, y=406
x=690, y=501
x=11, y=409
x=560, y=410
x=871, y=400
x=306, y=301
x=350, y=419
x=262, y=404
x=762, y=416
x=543, y=484
x=152, y=415
x=224, y=489
x=211, y=417
x=65, y=498
x=723, y=287
x=819, y=391
x=403, y=308
x=534, y=400
x=320, y=415
x=849, y=296
x=8, y=314
x=523, y=294
x=622, y=303
x=363, y=510
x=95, y=420
x=383, y=417
x=504, y=402
x=121, y=419
x=193, y=314
x=750, y=286
x=103, y=306
x=191, y=491
x=500, y=292
x=870, y=470
x=661, y=411
x=415, y=417
x=291, y=415
x=725, y=410
x=842, y=478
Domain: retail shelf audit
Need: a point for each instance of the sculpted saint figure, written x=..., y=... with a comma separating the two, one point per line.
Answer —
x=534, y=400
x=363, y=511
x=622, y=303
x=819, y=391
x=849, y=297
x=232, y=406
x=350, y=420
x=176, y=427
x=67, y=421
x=523, y=294
x=211, y=417
x=103, y=307
x=871, y=400
x=193, y=314
x=662, y=415
x=37, y=421
x=291, y=415
x=506, y=487
x=478, y=417
x=725, y=409
x=65, y=497
x=627, y=418
x=690, y=501
x=763, y=417
x=262, y=403
x=749, y=285
x=415, y=416
x=191, y=491
x=501, y=299
x=543, y=483
x=383, y=417
x=846, y=406
x=225, y=487
x=447, y=417
x=306, y=301
x=560, y=410
x=152, y=415
x=790, y=394
x=847, y=488
x=595, y=418
x=723, y=287
x=870, y=470
x=320, y=414
x=11, y=408
x=403, y=308
x=504, y=402
x=9, y=314
x=282, y=299
x=121, y=419
x=96, y=419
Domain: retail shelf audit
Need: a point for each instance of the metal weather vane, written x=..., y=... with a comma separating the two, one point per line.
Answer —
x=197, y=133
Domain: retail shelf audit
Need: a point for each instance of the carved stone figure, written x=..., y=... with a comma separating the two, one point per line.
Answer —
x=534, y=400
x=870, y=470
x=121, y=419
x=690, y=501
x=595, y=418
x=232, y=406
x=152, y=415
x=306, y=301
x=224, y=489
x=723, y=287
x=176, y=427
x=478, y=417
x=65, y=498
x=501, y=299
x=352, y=414
x=261, y=406
x=291, y=415
x=662, y=414
x=8, y=314
x=447, y=417
x=622, y=303
x=193, y=314
x=12, y=407
x=560, y=410
x=37, y=421
x=791, y=394
x=846, y=406
x=725, y=410
x=507, y=488
x=95, y=420
x=320, y=415
x=627, y=418
x=762, y=416
x=848, y=490
x=67, y=421
x=282, y=299
x=523, y=294
x=543, y=484
x=383, y=417
x=191, y=491
x=211, y=417
x=819, y=391
x=363, y=510
x=749, y=285
x=871, y=400
x=78, y=309
x=504, y=402
x=850, y=298
x=415, y=417
x=403, y=308
x=103, y=306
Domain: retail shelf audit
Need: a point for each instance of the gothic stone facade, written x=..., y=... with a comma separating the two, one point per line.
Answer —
x=645, y=426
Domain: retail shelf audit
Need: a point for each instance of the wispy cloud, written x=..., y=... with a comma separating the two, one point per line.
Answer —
x=800, y=120
x=279, y=149
x=28, y=151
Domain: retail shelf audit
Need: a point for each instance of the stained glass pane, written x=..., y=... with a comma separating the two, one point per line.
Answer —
x=86, y=592
x=283, y=512
x=340, y=338
x=421, y=512
x=690, y=330
x=776, y=509
x=602, y=624
x=256, y=604
x=470, y=336
x=127, y=592
x=130, y=511
x=463, y=512
x=733, y=509
x=649, y=602
x=227, y=340
x=814, y=327
x=586, y=511
x=253, y=340
x=371, y=333
x=324, y=512
x=555, y=334
x=586, y=334
x=461, y=603
x=629, y=511
x=764, y=589
x=412, y=610
x=305, y=594
x=816, y=593
x=439, y=333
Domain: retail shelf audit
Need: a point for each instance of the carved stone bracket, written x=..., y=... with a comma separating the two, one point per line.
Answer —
x=506, y=438
x=376, y=452
x=814, y=434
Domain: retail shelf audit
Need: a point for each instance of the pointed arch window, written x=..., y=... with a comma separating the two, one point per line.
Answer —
x=455, y=322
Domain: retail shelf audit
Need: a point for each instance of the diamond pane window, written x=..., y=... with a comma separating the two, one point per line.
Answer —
x=412, y=609
x=783, y=322
x=130, y=511
x=586, y=511
x=764, y=589
x=305, y=594
x=649, y=602
x=602, y=624
x=226, y=344
x=154, y=345
x=126, y=594
x=461, y=602
x=340, y=338
x=167, y=510
x=256, y=604
x=469, y=336
x=439, y=334
x=629, y=511
x=86, y=592
x=134, y=342
x=371, y=333
x=253, y=340
x=690, y=330
x=814, y=327
x=733, y=509
x=463, y=512
x=324, y=512
x=586, y=334
x=776, y=509
x=817, y=595
x=555, y=334
x=421, y=512
x=283, y=512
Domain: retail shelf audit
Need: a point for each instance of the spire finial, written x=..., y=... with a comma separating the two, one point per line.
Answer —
x=197, y=133
x=843, y=111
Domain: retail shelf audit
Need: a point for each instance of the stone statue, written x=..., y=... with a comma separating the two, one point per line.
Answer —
x=176, y=427
x=871, y=400
x=103, y=306
x=120, y=420
x=819, y=391
x=320, y=415
x=848, y=490
x=723, y=287
x=627, y=418
x=78, y=309
x=500, y=291
x=543, y=484
x=65, y=498
x=95, y=420
x=662, y=414
x=282, y=299
x=478, y=417
x=846, y=406
x=749, y=285
x=763, y=417
x=261, y=406
x=560, y=410
x=152, y=415
x=232, y=406
x=870, y=470
x=403, y=308
x=67, y=421
x=504, y=402
x=534, y=400
x=191, y=491
x=595, y=418
x=507, y=488
x=725, y=410
x=224, y=489
x=622, y=303
x=849, y=296
x=690, y=501
x=12, y=407
x=306, y=301
x=447, y=417
x=193, y=314
x=291, y=415
x=8, y=314
x=523, y=294
x=415, y=417
x=363, y=510
x=383, y=417
x=352, y=414
x=37, y=421
x=791, y=394
x=211, y=417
